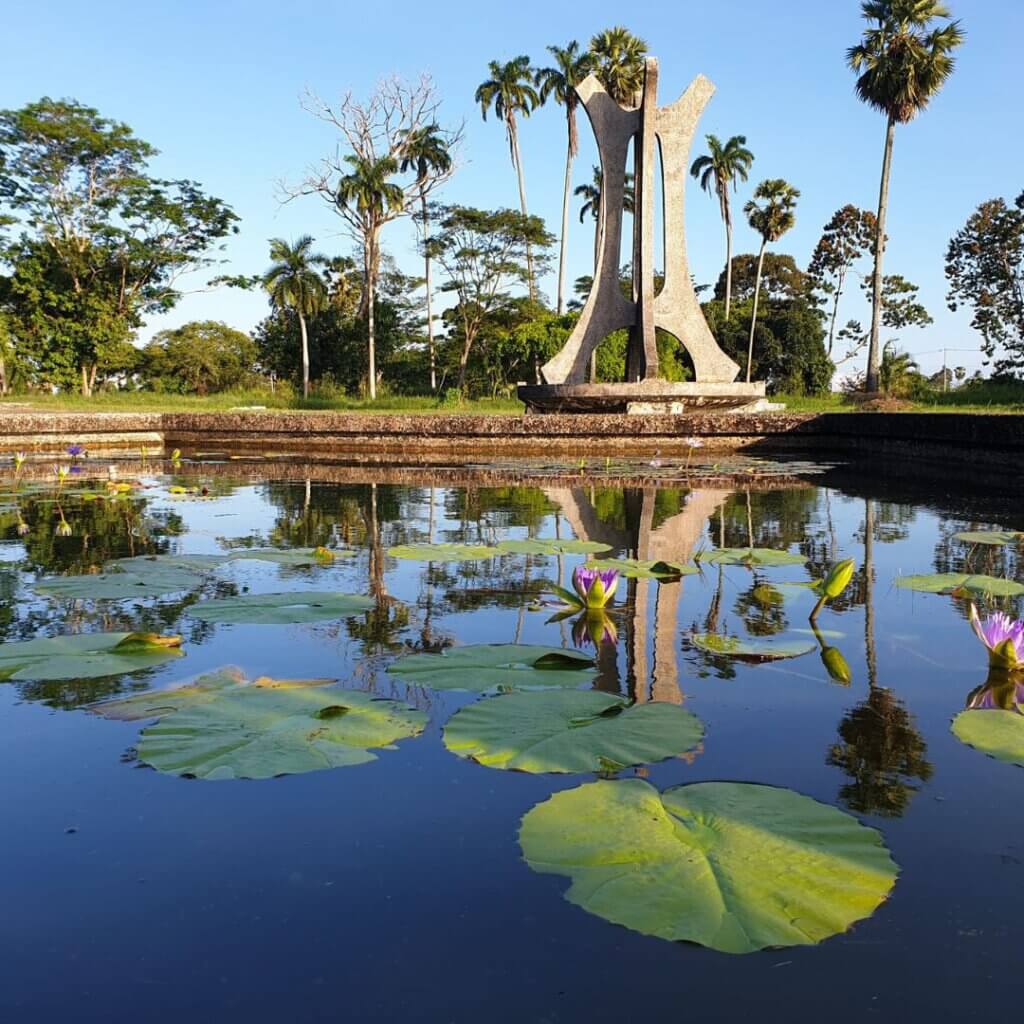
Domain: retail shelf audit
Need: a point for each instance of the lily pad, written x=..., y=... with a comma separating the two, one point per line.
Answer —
x=998, y=537
x=133, y=577
x=648, y=570
x=291, y=556
x=751, y=649
x=552, y=546
x=730, y=865
x=443, y=552
x=222, y=727
x=960, y=584
x=748, y=556
x=569, y=731
x=85, y=655
x=273, y=609
x=1000, y=734
x=481, y=667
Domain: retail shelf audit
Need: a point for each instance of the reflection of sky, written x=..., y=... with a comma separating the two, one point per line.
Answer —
x=408, y=867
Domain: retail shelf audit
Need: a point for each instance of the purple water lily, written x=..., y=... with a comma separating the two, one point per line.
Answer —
x=1003, y=636
x=595, y=586
x=594, y=627
x=76, y=450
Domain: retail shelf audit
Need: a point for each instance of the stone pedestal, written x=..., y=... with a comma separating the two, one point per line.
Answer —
x=650, y=397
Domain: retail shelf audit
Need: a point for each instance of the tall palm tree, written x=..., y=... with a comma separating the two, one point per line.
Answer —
x=902, y=61
x=721, y=167
x=368, y=191
x=591, y=196
x=619, y=63
x=771, y=221
x=510, y=91
x=294, y=283
x=560, y=81
x=425, y=150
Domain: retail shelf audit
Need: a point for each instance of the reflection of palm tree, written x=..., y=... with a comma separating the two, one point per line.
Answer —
x=869, y=586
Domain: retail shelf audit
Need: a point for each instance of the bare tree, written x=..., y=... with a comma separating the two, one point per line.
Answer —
x=362, y=181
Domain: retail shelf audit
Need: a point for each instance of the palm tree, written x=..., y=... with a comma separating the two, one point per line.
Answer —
x=721, y=167
x=510, y=90
x=771, y=221
x=902, y=61
x=293, y=283
x=591, y=196
x=560, y=81
x=896, y=369
x=425, y=150
x=619, y=63
x=369, y=193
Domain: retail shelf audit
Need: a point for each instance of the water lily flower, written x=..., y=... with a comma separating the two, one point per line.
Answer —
x=23, y=527
x=1001, y=691
x=19, y=459
x=61, y=473
x=594, y=626
x=691, y=444
x=595, y=587
x=1003, y=636
x=76, y=450
x=63, y=528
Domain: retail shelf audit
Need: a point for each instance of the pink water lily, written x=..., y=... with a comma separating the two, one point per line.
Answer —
x=595, y=586
x=1003, y=636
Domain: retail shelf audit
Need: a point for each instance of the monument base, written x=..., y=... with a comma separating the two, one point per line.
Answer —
x=654, y=397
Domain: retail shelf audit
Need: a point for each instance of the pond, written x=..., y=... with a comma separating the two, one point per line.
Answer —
x=683, y=805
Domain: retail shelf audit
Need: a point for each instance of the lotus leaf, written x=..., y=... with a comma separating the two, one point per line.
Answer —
x=752, y=649
x=989, y=536
x=221, y=727
x=291, y=556
x=960, y=584
x=1000, y=734
x=127, y=579
x=730, y=865
x=569, y=731
x=271, y=609
x=552, y=546
x=748, y=556
x=648, y=570
x=85, y=655
x=480, y=667
x=443, y=552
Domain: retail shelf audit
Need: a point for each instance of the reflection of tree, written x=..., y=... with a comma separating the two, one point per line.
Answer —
x=762, y=609
x=883, y=755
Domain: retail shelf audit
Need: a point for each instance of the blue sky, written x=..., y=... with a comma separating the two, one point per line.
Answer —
x=215, y=87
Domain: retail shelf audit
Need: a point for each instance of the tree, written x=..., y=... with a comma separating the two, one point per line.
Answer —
x=591, y=196
x=771, y=221
x=105, y=243
x=293, y=283
x=847, y=237
x=619, y=58
x=721, y=167
x=510, y=91
x=898, y=371
x=199, y=357
x=571, y=68
x=900, y=305
x=483, y=254
x=985, y=269
x=358, y=184
x=427, y=151
x=781, y=278
x=902, y=62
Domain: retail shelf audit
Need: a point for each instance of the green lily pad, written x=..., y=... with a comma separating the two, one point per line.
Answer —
x=275, y=609
x=989, y=536
x=85, y=656
x=222, y=727
x=958, y=583
x=730, y=865
x=146, y=563
x=443, y=552
x=480, y=667
x=751, y=649
x=127, y=579
x=648, y=570
x=552, y=546
x=569, y=731
x=1000, y=734
x=290, y=556
x=748, y=556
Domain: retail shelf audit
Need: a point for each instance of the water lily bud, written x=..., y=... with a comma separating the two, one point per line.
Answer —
x=836, y=666
x=838, y=579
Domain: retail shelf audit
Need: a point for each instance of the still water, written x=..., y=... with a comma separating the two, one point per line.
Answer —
x=396, y=890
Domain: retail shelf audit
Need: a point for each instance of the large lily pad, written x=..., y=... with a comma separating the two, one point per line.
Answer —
x=569, y=731
x=85, y=655
x=1000, y=734
x=291, y=556
x=730, y=865
x=960, y=584
x=751, y=649
x=997, y=537
x=748, y=556
x=443, y=552
x=222, y=727
x=275, y=609
x=127, y=579
x=552, y=546
x=650, y=570
x=481, y=667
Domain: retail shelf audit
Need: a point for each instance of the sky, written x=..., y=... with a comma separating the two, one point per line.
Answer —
x=216, y=87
